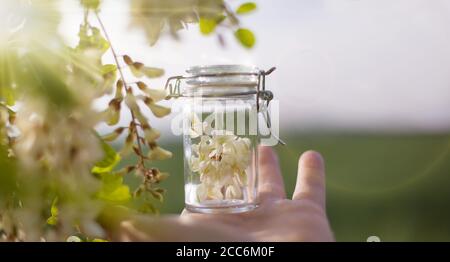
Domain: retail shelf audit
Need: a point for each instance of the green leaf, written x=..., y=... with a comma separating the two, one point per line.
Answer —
x=99, y=240
x=99, y=41
x=91, y=4
x=113, y=189
x=54, y=209
x=246, y=8
x=8, y=62
x=220, y=19
x=110, y=159
x=109, y=68
x=9, y=95
x=92, y=38
x=245, y=37
x=53, y=219
x=207, y=26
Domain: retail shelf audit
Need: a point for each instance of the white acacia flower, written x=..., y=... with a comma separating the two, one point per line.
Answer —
x=59, y=142
x=221, y=161
x=198, y=127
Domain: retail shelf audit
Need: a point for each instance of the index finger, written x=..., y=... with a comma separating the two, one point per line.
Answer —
x=271, y=185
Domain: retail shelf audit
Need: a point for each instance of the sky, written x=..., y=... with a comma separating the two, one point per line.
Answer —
x=365, y=65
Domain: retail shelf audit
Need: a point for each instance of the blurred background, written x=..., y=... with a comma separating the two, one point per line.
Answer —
x=364, y=82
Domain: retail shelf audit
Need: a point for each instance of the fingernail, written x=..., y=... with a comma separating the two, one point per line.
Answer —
x=312, y=159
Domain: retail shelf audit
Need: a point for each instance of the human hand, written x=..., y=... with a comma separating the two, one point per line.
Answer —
x=276, y=219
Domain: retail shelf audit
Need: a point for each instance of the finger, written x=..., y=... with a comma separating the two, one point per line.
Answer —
x=271, y=185
x=129, y=233
x=173, y=228
x=311, y=178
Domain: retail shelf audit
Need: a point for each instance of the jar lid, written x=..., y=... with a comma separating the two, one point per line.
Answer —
x=222, y=76
x=220, y=81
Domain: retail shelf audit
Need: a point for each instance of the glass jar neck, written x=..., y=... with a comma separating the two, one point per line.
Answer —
x=220, y=91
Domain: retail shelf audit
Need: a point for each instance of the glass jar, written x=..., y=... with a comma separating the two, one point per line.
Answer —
x=220, y=135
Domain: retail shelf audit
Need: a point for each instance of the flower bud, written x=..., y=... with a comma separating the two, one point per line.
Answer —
x=129, y=143
x=119, y=89
x=130, y=101
x=113, y=112
x=157, y=110
x=151, y=134
x=127, y=59
x=156, y=95
x=162, y=176
x=114, y=135
x=158, y=153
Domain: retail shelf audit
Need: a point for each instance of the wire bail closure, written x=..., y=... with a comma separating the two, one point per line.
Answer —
x=173, y=85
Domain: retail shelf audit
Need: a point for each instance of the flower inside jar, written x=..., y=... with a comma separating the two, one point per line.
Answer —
x=221, y=160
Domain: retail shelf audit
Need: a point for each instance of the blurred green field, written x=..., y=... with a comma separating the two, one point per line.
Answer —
x=396, y=187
